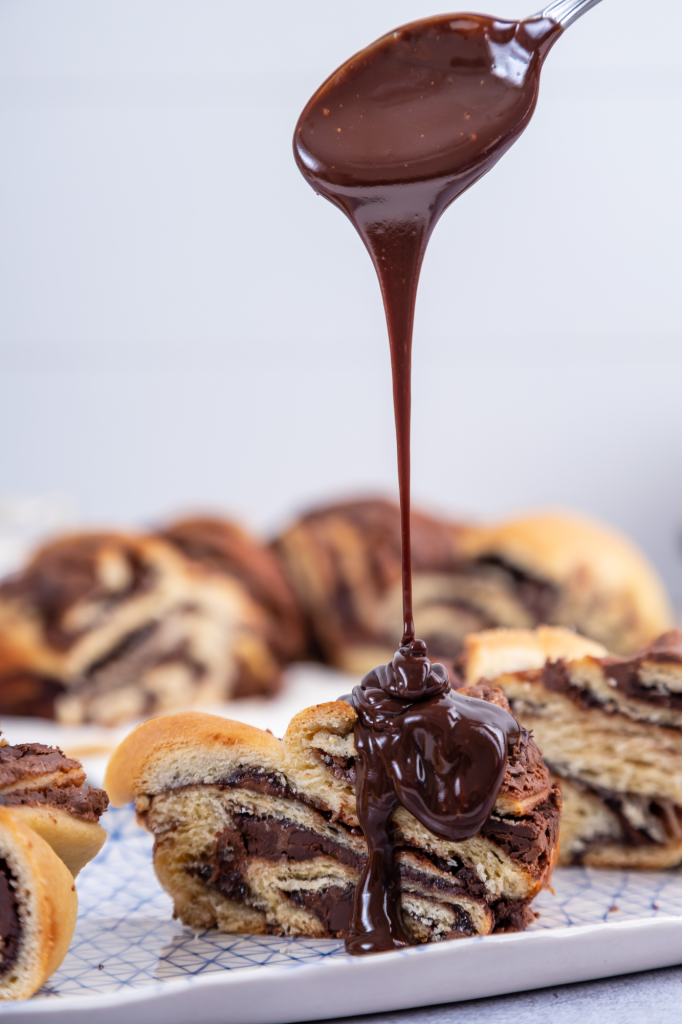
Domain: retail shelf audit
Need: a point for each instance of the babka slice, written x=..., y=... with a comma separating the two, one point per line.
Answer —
x=609, y=727
x=344, y=561
x=107, y=627
x=38, y=906
x=44, y=790
x=254, y=834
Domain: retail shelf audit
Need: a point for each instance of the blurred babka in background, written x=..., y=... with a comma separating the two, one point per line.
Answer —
x=108, y=627
x=344, y=563
x=111, y=627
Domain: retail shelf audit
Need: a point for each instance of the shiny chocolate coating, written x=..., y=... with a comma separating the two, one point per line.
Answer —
x=437, y=753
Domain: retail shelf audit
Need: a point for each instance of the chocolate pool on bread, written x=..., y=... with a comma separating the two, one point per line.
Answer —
x=438, y=754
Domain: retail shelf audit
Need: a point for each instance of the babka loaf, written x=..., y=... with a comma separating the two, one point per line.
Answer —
x=254, y=834
x=44, y=790
x=609, y=727
x=344, y=562
x=227, y=549
x=38, y=906
x=107, y=627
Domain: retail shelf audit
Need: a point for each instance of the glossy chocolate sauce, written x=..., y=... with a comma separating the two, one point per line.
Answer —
x=392, y=138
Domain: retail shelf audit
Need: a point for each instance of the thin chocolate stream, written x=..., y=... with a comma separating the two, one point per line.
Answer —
x=393, y=137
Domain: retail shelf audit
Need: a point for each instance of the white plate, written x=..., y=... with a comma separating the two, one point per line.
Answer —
x=130, y=961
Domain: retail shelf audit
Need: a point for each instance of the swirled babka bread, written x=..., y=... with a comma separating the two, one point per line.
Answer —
x=609, y=727
x=254, y=834
x=38, y=905
x=344, y=562
x=44, y=790
x=227, y=549
x=105, y=627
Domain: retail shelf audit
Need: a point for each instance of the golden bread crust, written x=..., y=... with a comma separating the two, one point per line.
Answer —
x=47, y=907
x=582, y=555
x=75, y=841
x=495, y=652
x=327, y=728
x=148, y=760
x=109, y=627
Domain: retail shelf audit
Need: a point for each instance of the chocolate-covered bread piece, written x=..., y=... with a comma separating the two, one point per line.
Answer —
x=344, y=562
x=38, y=906
x=609, y=727
x=45, y=791
x=105, y=627
x=254, y=834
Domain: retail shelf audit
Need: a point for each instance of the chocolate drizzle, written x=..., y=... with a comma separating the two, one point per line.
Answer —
x=440, y=754
x=392, y=138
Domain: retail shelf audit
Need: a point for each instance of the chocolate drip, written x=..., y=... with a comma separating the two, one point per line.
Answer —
x=10, y=925
x=392, y=138
x=440, y=754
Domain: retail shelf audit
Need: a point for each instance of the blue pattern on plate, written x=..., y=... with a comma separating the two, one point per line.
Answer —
x=125, y=936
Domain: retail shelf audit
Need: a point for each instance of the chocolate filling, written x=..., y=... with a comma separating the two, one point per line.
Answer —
x=26, y=761
x=28, y=694
x=227, y=550
x=555, y=676
x=656, y=821
x=84, y=802
x=10, y=925
x=333, y=906
x=536, y=595
x=275, y=838
x=462, y=926
x=342, y=768
x=529, y=839
x=268, y=839
x=67, y=572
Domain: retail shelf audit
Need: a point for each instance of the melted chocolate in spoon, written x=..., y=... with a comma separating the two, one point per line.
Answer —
x=392, y=138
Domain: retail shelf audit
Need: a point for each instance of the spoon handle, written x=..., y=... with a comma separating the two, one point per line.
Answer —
x=565, y=12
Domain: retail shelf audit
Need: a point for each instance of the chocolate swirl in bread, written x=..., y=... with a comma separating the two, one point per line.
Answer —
x=227, y=549
x=609, y=727
x=49, y=829
x=345, y=564
x=38, y=906
x=45, y=790
x=107, y=627
x=254, y=834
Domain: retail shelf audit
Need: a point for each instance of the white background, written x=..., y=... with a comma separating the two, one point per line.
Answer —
x=184, y=324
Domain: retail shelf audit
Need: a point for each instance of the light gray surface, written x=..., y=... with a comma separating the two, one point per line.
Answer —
x=172, y=290
x=633, y=999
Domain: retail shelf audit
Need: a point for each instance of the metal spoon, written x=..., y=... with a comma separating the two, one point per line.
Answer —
x=565, y=12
